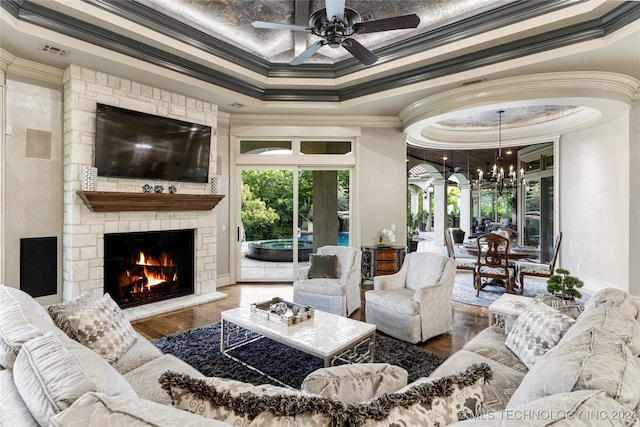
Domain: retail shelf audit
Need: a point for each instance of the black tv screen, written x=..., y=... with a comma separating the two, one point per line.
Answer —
x=130, y=144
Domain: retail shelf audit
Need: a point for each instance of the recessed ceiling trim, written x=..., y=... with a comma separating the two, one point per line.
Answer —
x=605, y=94
x=37, y=14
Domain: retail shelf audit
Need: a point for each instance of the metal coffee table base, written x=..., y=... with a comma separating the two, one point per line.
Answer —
x=233, y=336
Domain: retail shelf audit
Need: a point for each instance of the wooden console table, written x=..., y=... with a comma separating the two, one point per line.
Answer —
x=381, y=260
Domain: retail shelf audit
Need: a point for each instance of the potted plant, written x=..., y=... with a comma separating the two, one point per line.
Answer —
x=458, y=235
x=564, y=286
x=412, y=233
x=422, y=217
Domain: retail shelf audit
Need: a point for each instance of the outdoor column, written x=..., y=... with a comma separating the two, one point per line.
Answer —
x=426, y=205
x=465, y=208
x=414, y=201
x=439, y=211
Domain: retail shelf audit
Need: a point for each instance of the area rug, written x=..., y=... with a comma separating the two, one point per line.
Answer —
x=465, y=292
x=200, y=348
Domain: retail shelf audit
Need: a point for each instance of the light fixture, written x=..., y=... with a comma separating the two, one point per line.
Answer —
x=496, y=175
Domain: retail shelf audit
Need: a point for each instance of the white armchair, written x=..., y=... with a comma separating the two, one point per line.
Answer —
x=338, y=295
x=414, y=304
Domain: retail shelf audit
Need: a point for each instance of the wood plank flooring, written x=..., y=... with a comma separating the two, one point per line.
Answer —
x=468, y=320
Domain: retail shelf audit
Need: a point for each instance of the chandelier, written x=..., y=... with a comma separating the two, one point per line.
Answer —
x=496, y=176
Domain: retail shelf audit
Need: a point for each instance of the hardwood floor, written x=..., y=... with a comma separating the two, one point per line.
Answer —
x=467, y=320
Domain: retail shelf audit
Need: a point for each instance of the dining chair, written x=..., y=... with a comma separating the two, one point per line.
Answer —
x=493, y=262
x=463, y=263
x=528, y=268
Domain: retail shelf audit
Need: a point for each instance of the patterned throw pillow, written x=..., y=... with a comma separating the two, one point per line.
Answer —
x=242, y=404
x=426, y=402
x=60, y=312
x=538, y=329
x=102, y=327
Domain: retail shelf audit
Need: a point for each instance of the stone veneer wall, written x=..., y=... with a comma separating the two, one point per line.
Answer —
x=83, y=234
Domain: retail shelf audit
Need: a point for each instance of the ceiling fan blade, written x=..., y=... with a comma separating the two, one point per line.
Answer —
x=363, y=54
x=275, y=26
x=307, y=53
x=335, y=8
x=386, y=24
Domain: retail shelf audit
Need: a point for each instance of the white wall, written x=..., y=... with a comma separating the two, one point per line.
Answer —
x=33, y=185
x=594, y=204
x=634, y=199
x=382, y=183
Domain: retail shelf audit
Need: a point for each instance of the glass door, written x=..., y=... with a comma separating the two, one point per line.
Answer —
x=323, y=210
x=266, y=229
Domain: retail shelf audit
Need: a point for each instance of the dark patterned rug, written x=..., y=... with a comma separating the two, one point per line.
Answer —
x=200, y=348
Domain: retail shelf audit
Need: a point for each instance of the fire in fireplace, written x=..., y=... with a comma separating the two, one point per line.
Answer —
x=145, y=267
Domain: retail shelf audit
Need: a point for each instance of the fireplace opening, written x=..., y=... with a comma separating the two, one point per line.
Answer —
x=145, y=267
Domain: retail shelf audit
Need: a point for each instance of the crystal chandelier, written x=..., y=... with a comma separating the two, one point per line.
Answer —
x=496, y=176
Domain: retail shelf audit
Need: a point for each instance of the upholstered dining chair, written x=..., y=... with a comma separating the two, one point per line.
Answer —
x=527, y=268
x=414, y=304
x=331, y=282
x=493, y=262
x=462, y=263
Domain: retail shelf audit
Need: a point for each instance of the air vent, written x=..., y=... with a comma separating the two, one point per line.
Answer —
x=44, y=47
x=237, y=105
x=472, y=82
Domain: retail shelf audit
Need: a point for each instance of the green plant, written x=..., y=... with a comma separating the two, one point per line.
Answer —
x=564, y=285
x=412, y=226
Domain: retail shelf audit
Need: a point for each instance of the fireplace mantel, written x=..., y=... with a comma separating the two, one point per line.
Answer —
x=112, y=201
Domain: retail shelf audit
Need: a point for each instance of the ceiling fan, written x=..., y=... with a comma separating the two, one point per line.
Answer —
x=335, y=24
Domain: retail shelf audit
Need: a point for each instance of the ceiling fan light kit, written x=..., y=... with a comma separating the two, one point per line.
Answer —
x=335, y=25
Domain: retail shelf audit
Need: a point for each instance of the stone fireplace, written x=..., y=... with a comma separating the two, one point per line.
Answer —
x=85, y=227
x=145, y=267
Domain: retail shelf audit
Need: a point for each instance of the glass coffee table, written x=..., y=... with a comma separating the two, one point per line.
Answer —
x=327, y=336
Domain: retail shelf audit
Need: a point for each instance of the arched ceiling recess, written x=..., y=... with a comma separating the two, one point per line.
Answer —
x=537, y=108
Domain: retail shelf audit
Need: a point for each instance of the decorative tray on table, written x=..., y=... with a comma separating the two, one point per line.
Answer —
x=281, y=311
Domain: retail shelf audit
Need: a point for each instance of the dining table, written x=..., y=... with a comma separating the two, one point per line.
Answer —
x=516, y=253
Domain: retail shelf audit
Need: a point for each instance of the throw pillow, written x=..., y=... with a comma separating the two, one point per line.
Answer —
x=60, y=312
x=593, y=360
x=323, y=267
x=537, y=329
x=52, y=371
x=242, y=404
x=356, y=382
x=585, y=408
x=99, y=409
x=102, y=327
x=17, y=326
x=427, y=401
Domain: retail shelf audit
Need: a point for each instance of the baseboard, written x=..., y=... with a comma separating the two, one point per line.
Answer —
x=223, y=280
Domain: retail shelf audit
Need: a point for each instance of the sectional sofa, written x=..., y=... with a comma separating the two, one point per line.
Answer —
x=80, y=363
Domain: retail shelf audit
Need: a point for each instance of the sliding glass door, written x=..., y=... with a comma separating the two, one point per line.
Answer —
x=295, y=198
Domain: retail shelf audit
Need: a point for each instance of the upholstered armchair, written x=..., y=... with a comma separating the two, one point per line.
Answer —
x=414, y=304
x=331, y=283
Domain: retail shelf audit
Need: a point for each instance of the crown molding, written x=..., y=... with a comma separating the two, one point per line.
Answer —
x=34, y=70
x=37, y=14
x=316, y=121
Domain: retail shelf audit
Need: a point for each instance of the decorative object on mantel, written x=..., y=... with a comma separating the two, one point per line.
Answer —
x=147, y=188
x=89, y=178
x=173, y=189
x=112, y=201
x=385, y=237
x=281, y=311
x=158, y=189
x=215, y=184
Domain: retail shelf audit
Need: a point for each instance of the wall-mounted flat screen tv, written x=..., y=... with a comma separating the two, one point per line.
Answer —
x=130, y=144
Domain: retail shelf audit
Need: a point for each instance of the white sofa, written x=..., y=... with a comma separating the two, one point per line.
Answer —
x=47, y=378
x=587, y=374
